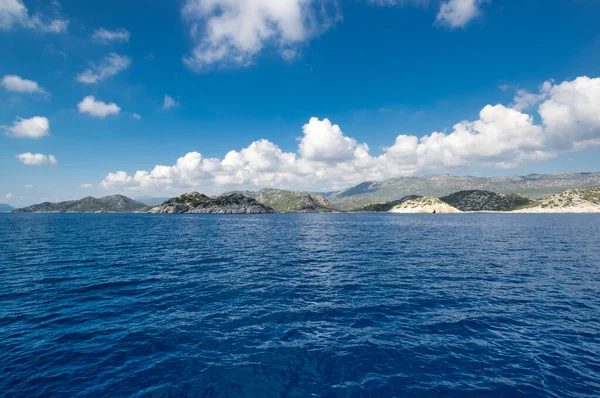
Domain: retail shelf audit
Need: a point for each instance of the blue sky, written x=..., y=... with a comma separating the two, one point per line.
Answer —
x=315, y=80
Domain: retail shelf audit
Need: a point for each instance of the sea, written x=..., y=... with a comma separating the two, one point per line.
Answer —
x=299, y=305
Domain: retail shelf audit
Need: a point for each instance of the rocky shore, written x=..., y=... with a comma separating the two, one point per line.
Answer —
x=197, y=203
x=427, y=204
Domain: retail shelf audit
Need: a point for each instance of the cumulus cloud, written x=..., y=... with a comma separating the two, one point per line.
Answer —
x=524, y=99
x=571, y=114
x=501, y=137
x=458, y=13
x=105, y=36
x=169, y=102
x=35, y=127
x=234, y=31
x=14, y=13
x=8, y=196
x=96, y=108
x=36, y=159
x=110, y=66
x=136, y=116
x=19, y=85
x=86, y=186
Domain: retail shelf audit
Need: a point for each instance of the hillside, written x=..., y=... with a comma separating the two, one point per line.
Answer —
x=387, y=206
x=4, y=207
x=427, y=204
x=570, y=201
x=478, y=200
x=113, y=203
x=291, y=201
x=534, y=186
x=197, y=203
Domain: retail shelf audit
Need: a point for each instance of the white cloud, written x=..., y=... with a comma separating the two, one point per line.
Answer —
x=234, y=31
x=524, y=100
x=36, y=159
x=19, y=85
x=571, y=114
x=96, y=108
x=110, y=66
x=105, y=36
x=35, y=127
x=28, y=186
x=169, y=102
x=136, y=116
x=458, y=13
x=14, y=13
x=501, y=137
x=8, y=196
x=419, y=3
x=323, y=141
x=86, y=186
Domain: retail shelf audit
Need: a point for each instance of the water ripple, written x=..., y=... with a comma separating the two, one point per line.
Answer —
x=329, y=305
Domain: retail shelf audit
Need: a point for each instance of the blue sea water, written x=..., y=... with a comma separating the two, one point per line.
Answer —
x=299, y=305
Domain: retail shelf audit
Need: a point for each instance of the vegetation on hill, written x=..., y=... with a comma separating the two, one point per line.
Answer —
x=387, y=206
x=569, y=201
x=478, y=200
x=113, y=203
x=197, y=203
x=292, y=201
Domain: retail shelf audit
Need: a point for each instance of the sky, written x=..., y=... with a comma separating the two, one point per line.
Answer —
x=162, y=97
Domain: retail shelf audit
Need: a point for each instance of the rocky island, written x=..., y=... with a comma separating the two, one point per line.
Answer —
x=197, y=203
x=570, y=201
x=428, y=204
x=108, y=204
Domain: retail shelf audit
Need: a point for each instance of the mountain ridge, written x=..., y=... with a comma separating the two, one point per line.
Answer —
x=5, y=207
x=440, y=185
x=88, y=204
x=284, y=201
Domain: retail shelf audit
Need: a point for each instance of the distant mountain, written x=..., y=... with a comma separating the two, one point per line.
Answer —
x=569, y=201
x=387, y=206
x=114, y=203
x=5, y=207
x=477, y=200
x=534, y=185
x=197, y=203
x=291, y=201
x=151, y=201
